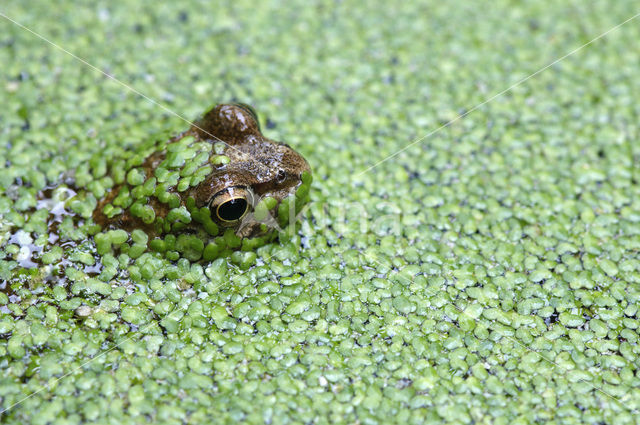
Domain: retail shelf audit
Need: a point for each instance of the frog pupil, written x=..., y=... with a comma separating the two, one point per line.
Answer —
x=233, y=209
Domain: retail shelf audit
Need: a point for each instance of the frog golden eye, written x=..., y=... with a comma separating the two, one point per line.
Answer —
x=231, y=205
x=232, y=210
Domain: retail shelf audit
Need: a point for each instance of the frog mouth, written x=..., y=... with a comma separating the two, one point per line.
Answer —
x=275, y=209
x=261, y=219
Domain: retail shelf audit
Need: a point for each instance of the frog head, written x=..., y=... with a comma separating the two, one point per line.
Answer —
x=256, y=183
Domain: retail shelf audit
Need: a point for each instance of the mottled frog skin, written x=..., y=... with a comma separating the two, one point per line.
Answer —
x=222, y=180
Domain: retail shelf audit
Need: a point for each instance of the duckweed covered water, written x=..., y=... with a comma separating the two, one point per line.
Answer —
x=488, y=274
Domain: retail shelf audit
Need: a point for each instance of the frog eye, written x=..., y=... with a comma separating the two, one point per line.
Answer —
x=281, y=176
x=232, y=210
x=250, y=111
x=230, y=205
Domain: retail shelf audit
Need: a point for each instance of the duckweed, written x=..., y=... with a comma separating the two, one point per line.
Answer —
x=487, y=274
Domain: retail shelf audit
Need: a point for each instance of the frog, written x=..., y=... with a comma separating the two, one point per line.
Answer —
x=217, y=187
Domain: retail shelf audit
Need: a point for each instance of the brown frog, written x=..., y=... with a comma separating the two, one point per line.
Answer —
x=222, y=179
